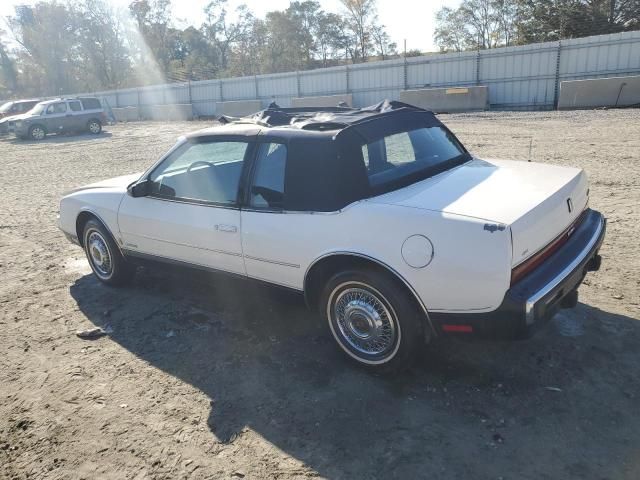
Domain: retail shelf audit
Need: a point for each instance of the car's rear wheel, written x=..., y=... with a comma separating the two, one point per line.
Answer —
x=105, y=259
x=94, y=126
x=373, y=319
x=37, y=132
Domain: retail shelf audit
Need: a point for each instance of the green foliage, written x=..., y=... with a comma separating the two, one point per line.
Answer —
x=493, y=23
x=88, y=45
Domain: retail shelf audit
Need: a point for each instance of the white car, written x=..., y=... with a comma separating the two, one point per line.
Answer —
x=379, y=216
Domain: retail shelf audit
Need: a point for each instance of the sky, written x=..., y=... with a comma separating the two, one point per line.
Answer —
x=410, y=20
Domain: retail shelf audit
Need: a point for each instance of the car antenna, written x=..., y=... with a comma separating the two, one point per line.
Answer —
x=530, y=145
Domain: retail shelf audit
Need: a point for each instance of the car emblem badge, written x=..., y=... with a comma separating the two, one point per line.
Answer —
x=569, y=204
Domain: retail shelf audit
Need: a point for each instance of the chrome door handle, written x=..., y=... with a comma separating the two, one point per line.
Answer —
x=227, y=228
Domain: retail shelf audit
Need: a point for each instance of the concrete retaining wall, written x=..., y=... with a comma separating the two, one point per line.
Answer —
x=238, y=108
x=126, y=114
x=599, y=92
x=167, y=112
x=455, y=99
x=324, y=101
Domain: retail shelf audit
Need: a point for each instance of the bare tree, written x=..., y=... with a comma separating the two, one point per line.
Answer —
x=452, y=31
x=222, y=33
x=361, y=15
x=101, y=42
x=8, y=74
x=382, y=42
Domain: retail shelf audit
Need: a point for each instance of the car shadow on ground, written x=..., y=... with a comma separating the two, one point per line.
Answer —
x=559, y=405
x=58, y=139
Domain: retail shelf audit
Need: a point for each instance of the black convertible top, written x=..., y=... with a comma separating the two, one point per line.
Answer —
x=325, y=118
x=325, y=169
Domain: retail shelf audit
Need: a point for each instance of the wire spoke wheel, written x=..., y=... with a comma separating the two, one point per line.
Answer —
x=99, y=254
x=363, y=322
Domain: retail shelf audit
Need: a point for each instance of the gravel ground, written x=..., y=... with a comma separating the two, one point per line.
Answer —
x=204, y=377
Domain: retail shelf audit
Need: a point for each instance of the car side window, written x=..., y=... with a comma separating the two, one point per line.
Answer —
x=203, y=172
x=91, y=103
x=56, y=108
x=75, y=106
x=267, y=188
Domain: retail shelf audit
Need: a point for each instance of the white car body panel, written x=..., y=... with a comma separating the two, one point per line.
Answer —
x=201, y=235
x=531, y=198
x=449, y=283
x=471, y=266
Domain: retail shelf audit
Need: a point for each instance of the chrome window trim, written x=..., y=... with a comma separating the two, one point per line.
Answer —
x=200, y=203
x=535, y=298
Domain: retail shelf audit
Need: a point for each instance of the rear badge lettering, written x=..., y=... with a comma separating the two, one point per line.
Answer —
x=492, y=227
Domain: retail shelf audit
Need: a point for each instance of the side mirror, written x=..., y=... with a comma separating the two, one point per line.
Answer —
x=139, y=189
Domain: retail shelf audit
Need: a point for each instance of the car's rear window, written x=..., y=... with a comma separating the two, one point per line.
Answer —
x=90, y=103
x=411, y=155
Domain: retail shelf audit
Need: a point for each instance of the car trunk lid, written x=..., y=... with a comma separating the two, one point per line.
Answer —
x=537, y=201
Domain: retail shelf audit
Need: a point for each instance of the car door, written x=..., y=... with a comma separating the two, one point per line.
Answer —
x=269, y=234
x=75, y=118
x=191, y=212
x=55, y=117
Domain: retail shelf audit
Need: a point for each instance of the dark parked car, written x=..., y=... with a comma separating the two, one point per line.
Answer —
x=62, y=115
x=15, y=107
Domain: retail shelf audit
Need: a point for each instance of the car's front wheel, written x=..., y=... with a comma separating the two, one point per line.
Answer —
x=104, y=257
x=94, y=126
x=373, y=319
x=37, y=132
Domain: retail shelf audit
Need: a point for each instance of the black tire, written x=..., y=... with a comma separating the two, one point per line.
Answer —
x=94, y=126
x=104, y=256
x=37, y=132
x=380, y=324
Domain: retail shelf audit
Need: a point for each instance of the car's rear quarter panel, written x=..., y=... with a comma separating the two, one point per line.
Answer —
x=470, y=270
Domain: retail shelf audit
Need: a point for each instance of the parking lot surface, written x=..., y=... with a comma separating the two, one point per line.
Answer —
x=205, y=377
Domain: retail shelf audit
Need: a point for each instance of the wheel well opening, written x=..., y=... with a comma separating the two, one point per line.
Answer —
x=81, y=221
x=320, y=273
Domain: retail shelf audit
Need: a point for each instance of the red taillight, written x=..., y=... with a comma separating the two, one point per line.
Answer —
x=534, y=261
x=457, y=328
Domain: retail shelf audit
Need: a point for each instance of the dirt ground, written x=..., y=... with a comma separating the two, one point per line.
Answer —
x=204, y=377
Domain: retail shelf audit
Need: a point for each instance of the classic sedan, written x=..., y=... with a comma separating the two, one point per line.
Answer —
x=379, y=216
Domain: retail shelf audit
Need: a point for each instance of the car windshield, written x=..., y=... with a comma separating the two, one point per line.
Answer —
x=406, y=157
x=5, y=107
x=38, y=109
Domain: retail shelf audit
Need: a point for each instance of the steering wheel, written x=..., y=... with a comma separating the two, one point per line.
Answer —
x=199, y=163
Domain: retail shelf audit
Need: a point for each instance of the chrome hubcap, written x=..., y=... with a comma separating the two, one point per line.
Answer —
x=94, y=127
x=38, y=133
x=364, y=321
x=99, y=254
